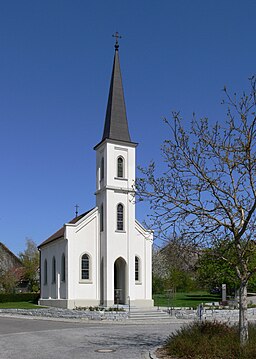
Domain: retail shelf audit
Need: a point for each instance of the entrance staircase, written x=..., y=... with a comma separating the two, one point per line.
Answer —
x=142, y=314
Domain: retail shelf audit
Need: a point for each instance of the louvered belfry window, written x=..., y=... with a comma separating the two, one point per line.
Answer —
x=120, y=167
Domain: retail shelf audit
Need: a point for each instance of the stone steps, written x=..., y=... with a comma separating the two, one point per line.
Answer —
x=141, y=314
x=137, y=313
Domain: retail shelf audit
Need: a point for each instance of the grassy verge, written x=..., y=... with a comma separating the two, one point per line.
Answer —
x=185, y=299
x=19, y=305
x=210, y=340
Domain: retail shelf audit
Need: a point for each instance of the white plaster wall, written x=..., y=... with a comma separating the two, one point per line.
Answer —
x=118, y=190
x=131, y=241
x=107, y=246
x=101, y=152
x=58, y=289
x=141, y=246
x=111, y=150
x=148, y=268
x=83, y=238
x=128, y=153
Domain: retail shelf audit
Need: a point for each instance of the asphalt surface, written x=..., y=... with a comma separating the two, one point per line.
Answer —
x=47, y=339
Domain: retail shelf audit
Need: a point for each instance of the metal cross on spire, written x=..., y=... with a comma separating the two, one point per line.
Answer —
x=76, y=207
x=117, y=36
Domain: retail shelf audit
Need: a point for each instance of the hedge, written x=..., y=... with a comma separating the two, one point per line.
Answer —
x=19, y=297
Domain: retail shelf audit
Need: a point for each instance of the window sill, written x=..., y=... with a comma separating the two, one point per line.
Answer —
x=85, y=281
x=137, y=282
x=120, y=231
x=121, y=178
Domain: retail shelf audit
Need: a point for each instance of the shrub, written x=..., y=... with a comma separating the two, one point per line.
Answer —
x=115, y=309
x=210, y=340
x=19, y=297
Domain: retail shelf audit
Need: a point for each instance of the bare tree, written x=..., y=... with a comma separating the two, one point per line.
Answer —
x=208, y=190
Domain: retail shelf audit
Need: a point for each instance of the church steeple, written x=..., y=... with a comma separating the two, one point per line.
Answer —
x=116, y=125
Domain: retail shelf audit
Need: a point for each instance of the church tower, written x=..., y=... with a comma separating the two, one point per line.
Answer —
x=115, y=177
x=103, y=256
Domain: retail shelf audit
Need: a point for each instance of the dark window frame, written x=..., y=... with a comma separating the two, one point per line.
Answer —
x=45, y=272
x=53, y=270
x=137, y=269
x=120, y=217
x=102, y=168
x=120, y=167
x=63, y=267
x=85, y=267
x=101, y=218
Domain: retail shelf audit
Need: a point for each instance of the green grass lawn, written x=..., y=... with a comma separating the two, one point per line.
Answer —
x=19, y=305
x=192, y=299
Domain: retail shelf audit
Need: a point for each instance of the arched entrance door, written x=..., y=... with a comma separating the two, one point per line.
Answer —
x=119, y=281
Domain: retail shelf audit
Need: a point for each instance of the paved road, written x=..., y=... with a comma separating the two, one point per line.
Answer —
x=45, y=339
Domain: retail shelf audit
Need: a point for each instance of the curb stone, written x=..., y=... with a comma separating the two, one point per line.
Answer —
x=152, y=353
x=65, y=314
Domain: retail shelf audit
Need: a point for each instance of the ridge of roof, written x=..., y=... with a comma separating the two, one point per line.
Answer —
x=60, y=232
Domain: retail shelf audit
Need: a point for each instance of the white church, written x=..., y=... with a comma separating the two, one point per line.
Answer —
x=103, y=256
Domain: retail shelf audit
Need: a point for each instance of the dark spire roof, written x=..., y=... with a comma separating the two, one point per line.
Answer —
x=116, y=126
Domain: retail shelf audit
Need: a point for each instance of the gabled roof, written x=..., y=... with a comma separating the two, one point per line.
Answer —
x=60, y=232
x=7, y=250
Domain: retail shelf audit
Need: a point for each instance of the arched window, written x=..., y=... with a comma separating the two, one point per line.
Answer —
x=120, y=217
x=85, y=266
x=101, y=218
x=53, y=270
x=120, y=167
x=63, y=268
x=45, y=272
x=102, y=169
x=137, y=269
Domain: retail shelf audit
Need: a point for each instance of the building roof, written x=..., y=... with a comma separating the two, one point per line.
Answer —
x=59, y=234
x=116, y=125
x=10, y=253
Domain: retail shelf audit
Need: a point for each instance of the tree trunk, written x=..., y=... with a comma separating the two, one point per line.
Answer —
x=243, y=320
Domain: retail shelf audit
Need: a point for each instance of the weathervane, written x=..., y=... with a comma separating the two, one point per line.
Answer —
x=117, y=36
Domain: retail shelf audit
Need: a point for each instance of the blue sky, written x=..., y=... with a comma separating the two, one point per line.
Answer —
x=55, y=66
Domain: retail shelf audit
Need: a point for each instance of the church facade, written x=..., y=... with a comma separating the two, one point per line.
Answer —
x=104, y=256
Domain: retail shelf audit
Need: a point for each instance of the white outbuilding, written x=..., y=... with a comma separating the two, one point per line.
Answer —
x=103, y=256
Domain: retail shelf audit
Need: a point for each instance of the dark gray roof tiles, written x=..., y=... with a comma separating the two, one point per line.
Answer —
x=116, y=125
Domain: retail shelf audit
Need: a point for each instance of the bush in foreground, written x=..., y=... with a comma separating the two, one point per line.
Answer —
x=210, y=340
x=19, y=297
